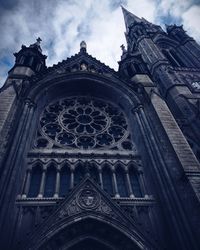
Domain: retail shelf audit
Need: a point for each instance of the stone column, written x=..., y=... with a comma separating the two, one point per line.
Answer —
x=129, y=184
x=27, y=184
x=57, y=189
x=141, y=183
x=72, y=178
x=115, y=188
x=100, y=177
x=41, y=192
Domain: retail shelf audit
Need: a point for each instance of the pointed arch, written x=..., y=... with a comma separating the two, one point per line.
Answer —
x=79, y=173
x=36, y=176
x=65, y=180
x=89, y=242
x=121, y=181
x=109, y=232
x=134, y=180
x=94, y=173
x=107, y=179
x=169, y=50
x=173, y=58
x=50, y=182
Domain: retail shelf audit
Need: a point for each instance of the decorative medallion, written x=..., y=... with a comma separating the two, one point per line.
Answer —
x=88, y=199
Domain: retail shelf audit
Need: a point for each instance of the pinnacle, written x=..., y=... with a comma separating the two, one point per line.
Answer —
x=83, y=46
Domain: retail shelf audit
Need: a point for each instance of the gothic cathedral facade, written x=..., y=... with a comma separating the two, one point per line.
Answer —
x=93, y=158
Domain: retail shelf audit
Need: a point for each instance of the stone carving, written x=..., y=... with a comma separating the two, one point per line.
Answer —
x=69, y=209
x=196, y=85
x=88, y=199
x=105, y=208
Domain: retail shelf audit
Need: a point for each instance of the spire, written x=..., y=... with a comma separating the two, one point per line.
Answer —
x=129, y=18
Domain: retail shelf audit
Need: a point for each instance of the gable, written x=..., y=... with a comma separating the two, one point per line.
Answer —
x=88, y=201
x=81, y=62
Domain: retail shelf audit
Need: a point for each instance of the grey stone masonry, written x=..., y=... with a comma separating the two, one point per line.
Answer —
x=176, y=137
x=7, y=97
x=180, y=145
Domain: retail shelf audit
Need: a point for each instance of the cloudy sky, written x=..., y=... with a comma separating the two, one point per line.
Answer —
x=62, y=24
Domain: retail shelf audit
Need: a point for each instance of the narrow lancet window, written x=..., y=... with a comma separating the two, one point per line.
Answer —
x=50, y=182
x=36, y=175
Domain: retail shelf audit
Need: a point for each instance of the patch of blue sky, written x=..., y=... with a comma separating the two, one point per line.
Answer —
x=6, y=61
x=169, y=20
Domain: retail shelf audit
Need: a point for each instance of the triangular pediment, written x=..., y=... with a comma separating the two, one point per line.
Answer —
x=81, y=62
x=86, y=200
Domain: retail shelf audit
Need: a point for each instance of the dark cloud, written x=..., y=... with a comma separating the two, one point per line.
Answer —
x=62, y=24
x=8, y=4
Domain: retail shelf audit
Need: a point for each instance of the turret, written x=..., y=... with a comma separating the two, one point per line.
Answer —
x=188, y=43
x=178, y=33
x=29, y=60
x=131, y=64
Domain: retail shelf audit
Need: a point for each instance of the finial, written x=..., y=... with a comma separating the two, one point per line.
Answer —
x=38, y=40
x=83, y=46
x=36, y=44
x=123, y=48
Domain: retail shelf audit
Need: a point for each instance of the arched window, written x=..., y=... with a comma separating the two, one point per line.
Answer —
x=176, y=57
x=121, y=182
x=78, y=174
x=27, y=61
x=94, y=174
x=21, y=59
x=137, y=68
x=107, y=180
x=135, y=183
x=50, y=182
x=36, y=176
x=65, y=175
x=173, y=58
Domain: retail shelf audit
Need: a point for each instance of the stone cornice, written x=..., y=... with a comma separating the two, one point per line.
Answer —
x=74, y=153
x=124, y=201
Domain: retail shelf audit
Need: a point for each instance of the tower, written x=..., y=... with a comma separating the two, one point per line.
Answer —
x=93, y=158
x=172, y=60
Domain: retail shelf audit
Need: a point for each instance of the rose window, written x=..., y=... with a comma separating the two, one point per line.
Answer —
x=82, y=120
x=85, y=123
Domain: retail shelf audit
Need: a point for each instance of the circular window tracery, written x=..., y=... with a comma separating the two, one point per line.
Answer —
x=85, y=123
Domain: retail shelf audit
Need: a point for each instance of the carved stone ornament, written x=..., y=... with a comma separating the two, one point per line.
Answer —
x=196, y=85
x=88, y=199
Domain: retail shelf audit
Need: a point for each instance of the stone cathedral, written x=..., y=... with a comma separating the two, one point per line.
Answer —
x=97, y=159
